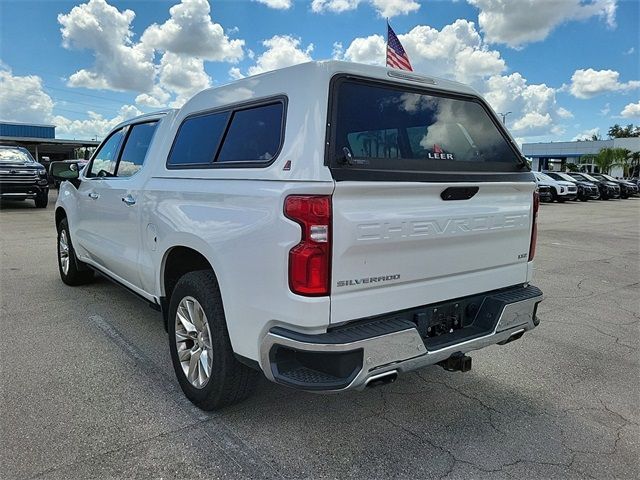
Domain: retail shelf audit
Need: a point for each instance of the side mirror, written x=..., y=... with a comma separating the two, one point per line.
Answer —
x=64, y=171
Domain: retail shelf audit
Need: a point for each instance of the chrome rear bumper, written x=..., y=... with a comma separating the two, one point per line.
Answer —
x=401, y=349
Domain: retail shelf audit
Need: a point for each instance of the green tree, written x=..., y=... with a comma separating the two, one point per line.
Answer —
x=611, y=157
x=622, y=158
x=604, y=160
x=634, y=160
x=616, y=131
x=571, y=167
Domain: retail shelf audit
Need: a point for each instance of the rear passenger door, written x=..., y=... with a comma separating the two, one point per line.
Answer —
x=116, y=214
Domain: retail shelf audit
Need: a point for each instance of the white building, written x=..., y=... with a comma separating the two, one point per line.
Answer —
x=555, y=155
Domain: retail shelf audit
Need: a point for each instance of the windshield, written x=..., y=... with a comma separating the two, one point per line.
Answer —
x=589, y=177
x=607, y=177
x=15, y=155
x=564, y=176
x=381, y=126
x=544, y=178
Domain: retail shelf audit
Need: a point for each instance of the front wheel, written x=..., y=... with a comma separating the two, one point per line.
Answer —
x=201, y=352
x=72, y=271
x=42, y=200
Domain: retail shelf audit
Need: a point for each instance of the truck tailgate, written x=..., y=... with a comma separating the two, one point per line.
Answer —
x=400, y=245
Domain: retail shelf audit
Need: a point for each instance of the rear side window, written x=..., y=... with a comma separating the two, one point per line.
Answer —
x=197, y=140
x=245, y=136
x=388, y=127
x=135, y=150
x=254, y=135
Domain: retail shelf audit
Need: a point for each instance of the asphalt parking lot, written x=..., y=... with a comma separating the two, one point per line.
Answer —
x=88, y=390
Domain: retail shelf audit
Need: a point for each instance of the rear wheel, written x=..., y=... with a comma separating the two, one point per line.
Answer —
x=42, y=200
x=201, y=352
x=72, y=271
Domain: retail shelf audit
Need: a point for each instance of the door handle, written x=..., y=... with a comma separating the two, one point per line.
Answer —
x=94, y=195
x=129, y=200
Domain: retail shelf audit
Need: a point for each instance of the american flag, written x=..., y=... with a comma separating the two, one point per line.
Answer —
x=396, y=56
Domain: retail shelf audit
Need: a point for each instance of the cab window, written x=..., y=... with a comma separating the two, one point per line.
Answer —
x=135, y=148
x=104, y=161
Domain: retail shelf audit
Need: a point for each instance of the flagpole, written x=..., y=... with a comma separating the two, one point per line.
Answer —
x=387, y=45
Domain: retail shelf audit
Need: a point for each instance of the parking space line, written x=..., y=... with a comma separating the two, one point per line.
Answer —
x=215, y=428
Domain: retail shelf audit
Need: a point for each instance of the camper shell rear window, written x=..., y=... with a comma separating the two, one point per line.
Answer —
x=386, y=128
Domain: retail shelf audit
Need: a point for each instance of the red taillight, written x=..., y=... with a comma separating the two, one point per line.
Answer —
x=534, y=226
x=310, y=260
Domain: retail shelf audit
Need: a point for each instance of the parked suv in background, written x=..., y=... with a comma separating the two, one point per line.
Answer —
x=627, y=189
x=607, y=189
x=21, y=177
x=330, y=225
x=586, y=190
x=560, y=189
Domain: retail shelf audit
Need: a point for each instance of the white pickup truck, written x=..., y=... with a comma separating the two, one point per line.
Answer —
x=330, y=225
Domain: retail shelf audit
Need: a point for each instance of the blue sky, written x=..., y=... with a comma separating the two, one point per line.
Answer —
x=564, y=68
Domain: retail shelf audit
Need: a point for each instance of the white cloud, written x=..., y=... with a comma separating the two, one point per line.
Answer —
x=457, y=51
x=631, y=110
x=235, y=73
x=392, y=8
x=22, y=99
x=564, y=113
x=156, y=98
x=370, y=50
x=606, y=109
x=119, y=63
x=532, y=122
x=517, y=22
x=183, y=75
x=277, y=4
x=385, y=8
x=335, y=6
x=190, y=31
x=589, y=83
x=96, y=126
x=282, y=51
x=586, y=134
x=337, y=53
x=630, y=51
x=533, y=107
x=168, y=61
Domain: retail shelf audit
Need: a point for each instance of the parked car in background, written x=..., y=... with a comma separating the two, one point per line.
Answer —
x=21, y=177
x=80, y=164
x=561, y=190
x=586, y=190
x=627, y=189
x=544, y=191
x=607, y=189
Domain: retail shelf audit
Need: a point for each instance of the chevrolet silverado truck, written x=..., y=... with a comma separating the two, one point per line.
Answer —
x=21, y=177
x=329, y=225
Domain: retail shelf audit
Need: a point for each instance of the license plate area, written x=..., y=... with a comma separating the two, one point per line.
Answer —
x=447, y=323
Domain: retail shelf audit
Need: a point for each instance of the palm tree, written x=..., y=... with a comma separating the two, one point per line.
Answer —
x=634, y=169
x=605, y=159
x=622, y=159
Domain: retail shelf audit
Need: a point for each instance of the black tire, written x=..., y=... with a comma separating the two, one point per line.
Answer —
x=230, y=381
x=77, y=273
x=42, y=200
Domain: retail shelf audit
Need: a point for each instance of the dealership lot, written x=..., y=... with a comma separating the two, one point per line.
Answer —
x=88, y=389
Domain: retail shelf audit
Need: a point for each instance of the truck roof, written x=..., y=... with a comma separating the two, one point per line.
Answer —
x=303, y=73
x=302, y=76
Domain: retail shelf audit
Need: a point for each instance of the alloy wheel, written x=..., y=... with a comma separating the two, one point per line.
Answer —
x=63, y=251
x=193, y=342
